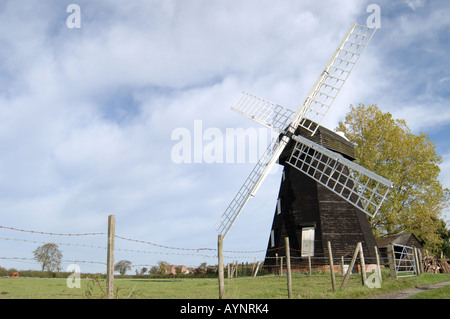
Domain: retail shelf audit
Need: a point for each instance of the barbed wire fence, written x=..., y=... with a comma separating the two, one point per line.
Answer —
x=122, y=250
x=59, y=243
x=250, y=263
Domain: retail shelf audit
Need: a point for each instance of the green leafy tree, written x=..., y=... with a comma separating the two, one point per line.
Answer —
x=163, y=265
x=444, y=233
x=153, y=270
x=122, y=266
x=49, y=256
x=143, y=271
x=387, y=146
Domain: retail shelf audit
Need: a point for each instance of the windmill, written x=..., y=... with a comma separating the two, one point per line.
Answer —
x=313, y=157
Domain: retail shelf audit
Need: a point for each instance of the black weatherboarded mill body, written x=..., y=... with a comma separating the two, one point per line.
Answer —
x=311, y=215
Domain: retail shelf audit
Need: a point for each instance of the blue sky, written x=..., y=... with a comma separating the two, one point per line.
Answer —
x=87, y=114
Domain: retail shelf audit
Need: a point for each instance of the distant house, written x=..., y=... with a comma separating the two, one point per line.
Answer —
x=177, y=269
x=407, y=239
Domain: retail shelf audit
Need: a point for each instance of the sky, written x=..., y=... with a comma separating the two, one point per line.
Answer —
x=128, y=114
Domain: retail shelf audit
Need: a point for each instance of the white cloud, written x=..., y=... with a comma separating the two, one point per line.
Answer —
x=445, y=180
x=414, y=4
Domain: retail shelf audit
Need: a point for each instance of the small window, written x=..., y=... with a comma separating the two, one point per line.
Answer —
x=279, y=206
x=272, y=238
x=307, y=241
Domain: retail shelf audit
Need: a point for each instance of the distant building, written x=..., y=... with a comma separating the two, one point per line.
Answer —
x=407, y=239
x=177, y=269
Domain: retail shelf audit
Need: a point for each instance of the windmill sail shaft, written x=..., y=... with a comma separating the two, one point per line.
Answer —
x=355, y=184
x=251, y=185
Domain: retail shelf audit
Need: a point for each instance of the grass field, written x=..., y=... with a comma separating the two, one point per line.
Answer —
x=440, y=293
x=266, y=287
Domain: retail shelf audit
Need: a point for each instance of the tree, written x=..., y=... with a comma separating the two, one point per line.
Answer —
x=387, y=147
x=49, y=256
x=202, y=268
x=153, y=270
x=122, y=266
x=444, y=233
x=141, y=272
x=163, y=265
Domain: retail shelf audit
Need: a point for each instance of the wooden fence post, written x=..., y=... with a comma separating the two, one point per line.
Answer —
x=363, y=265
x=350, y=267
x=253, y=266
x=333, y=279
x=378, y=264
x=288, y=267
x=309, y=266
x=110, y=257
x=256, y=270
x=391, y=258
x=221, y=272
x=281, y=266
x=276, y=264
x=420, y=260
x=416, y=259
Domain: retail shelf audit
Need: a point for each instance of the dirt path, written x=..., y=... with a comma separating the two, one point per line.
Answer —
x=403, y=294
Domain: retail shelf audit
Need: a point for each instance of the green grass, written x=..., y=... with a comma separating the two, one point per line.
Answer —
x=440, y=293
x=266, y=287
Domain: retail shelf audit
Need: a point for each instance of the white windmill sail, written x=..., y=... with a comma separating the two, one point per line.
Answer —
x=264, y=112
x=322, y=94
x=330, y=82
x=355, y=184
x=251, y=185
